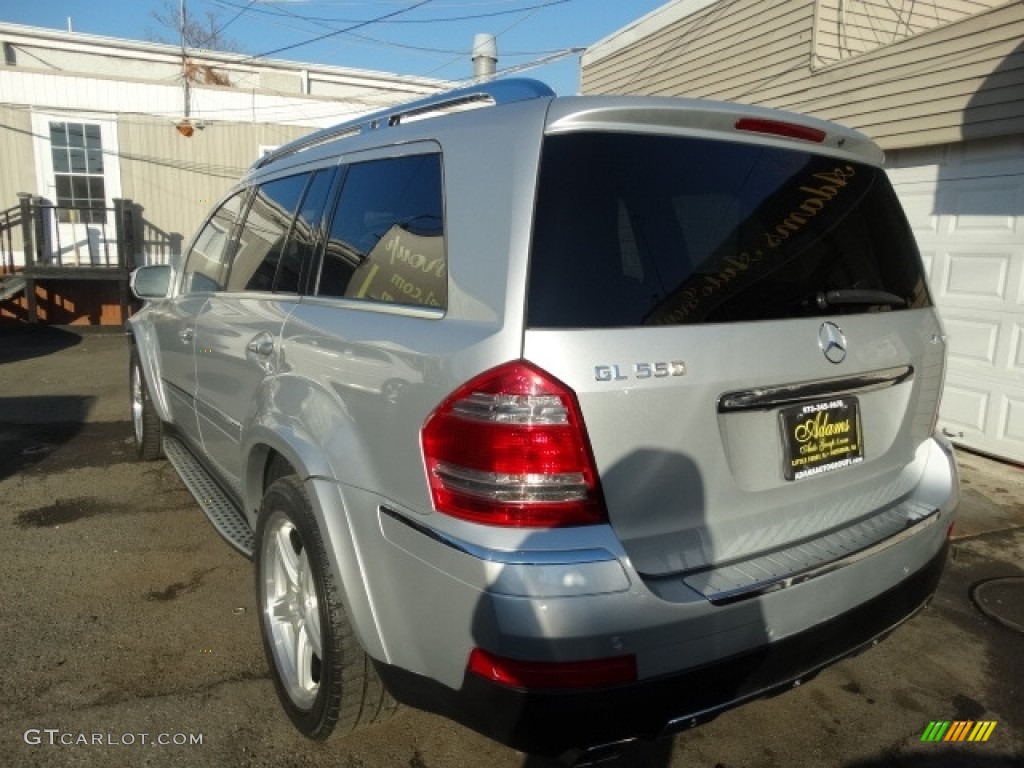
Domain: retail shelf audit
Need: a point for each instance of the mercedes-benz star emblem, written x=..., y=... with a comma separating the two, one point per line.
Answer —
x=832, y=342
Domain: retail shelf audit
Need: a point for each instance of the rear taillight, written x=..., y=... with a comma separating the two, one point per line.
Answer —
x=510, y=448
x=515, y=673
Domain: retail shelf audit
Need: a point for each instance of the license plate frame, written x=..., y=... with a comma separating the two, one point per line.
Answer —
x=820, y=437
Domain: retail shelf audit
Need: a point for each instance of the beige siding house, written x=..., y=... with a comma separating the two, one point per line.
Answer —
x=940, y=86
x=932, y=73
x=87, y=120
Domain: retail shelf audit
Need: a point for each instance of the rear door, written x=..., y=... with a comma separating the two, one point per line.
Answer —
x=748, y=330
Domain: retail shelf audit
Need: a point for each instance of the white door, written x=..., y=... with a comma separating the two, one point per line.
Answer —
x=77, y=168
x=966, y=205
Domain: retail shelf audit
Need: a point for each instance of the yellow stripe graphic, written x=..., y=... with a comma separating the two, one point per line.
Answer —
x=982, y=730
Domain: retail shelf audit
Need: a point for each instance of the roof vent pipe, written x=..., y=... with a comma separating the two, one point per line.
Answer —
x=485, y=57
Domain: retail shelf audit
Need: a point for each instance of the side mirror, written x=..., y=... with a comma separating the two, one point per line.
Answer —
x=151, y=282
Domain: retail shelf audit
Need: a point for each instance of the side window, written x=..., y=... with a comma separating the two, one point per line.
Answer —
x=261, y=242
x=387, y=235
x=206, y=266
x=302, y=241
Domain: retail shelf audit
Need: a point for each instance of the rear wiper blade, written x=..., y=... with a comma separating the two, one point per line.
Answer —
x=846, y=296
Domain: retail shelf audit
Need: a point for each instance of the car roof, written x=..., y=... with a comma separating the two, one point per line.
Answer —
x=693, y=117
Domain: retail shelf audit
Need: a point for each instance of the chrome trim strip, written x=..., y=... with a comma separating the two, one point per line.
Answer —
x=776, y=584
x=518, y=557
x=219, y=419
x=404, y=310
x=184, y=394
x=766, y=398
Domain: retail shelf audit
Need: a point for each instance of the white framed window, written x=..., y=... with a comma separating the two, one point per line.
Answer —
x=76, y=159
x=76, y=150
x=78, y=173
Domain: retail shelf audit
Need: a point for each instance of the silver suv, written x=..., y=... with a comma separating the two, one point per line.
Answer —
x=577, y=420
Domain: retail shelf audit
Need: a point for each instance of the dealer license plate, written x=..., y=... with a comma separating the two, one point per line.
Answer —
x=821, y=437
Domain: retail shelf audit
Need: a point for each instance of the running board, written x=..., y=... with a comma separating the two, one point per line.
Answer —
x=226, y=517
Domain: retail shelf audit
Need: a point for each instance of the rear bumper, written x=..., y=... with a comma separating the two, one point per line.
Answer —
x=579, y=723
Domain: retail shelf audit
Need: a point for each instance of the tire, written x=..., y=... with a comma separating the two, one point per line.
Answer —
x=146, y=424
x=324, y=679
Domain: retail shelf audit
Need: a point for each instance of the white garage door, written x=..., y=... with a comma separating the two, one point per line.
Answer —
x=966, y=205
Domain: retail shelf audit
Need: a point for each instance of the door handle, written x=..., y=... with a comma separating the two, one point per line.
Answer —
x=187, y=334
x=262, y=345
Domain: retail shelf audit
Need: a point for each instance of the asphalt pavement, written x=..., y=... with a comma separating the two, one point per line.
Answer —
x=130, y=636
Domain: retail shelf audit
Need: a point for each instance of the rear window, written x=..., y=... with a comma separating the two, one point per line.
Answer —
x=635, y=229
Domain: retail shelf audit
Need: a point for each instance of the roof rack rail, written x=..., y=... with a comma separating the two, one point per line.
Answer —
x=494, y=92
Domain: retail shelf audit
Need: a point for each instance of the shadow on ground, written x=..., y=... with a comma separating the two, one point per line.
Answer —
x=23, y=343
x=640, y=754
x=29, y=434
x=962, y=756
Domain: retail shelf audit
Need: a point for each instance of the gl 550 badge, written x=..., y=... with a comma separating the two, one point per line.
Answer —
x=660, y=370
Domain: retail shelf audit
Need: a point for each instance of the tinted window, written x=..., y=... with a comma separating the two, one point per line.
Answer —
x=206, y=266
x=637, y=230
x=261, y=242
x=386, y=237
x=298, y=253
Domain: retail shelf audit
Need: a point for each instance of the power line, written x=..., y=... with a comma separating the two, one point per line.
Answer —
x=525, y=13
x=234, y=18
x=444, y=51
x=334, y=33
x=340, y=109
x=437, y=20
x=529, y=12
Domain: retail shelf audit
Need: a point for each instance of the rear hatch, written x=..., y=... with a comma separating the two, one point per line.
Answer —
x=746, y=323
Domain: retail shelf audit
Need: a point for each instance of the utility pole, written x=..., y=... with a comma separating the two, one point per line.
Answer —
x=184, y=60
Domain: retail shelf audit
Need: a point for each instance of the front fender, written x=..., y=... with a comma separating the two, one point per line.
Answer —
x=143, y=342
